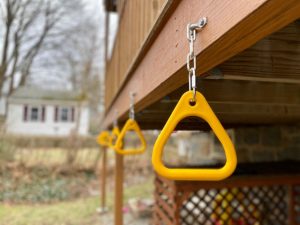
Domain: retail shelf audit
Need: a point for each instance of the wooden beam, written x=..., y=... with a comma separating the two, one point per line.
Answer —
x=232, y=27
x=275, y=57
x=236, y=115
x=247, y=103
x=119, y=177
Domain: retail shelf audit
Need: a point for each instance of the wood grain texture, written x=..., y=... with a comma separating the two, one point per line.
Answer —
x=103, y=178
x=275, y=56
x=185, y=191
x=247, y=103
x=119, y=177
x=137, y=17
x=233, y=26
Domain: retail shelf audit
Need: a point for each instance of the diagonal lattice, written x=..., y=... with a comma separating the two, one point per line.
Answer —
x=238, y=201
x=240, y=206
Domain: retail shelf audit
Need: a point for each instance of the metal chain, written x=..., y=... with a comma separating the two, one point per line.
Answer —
x=131, y=110
x=191, y=36
x=191, y=58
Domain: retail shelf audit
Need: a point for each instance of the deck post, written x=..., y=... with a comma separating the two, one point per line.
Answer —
x=103, y=178
x=291, y=205
x=119, y=177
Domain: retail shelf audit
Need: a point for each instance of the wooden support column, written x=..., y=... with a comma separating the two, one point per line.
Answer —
x=291, y=205
x=103, y=178
x=119, y=177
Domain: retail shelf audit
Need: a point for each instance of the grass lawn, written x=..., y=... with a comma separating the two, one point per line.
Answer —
x=77, y=212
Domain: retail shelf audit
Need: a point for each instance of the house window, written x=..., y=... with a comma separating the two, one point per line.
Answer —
x=64, y=114
x=34, y=113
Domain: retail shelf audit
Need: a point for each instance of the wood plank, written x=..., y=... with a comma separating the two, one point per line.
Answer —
x=232, y=120
x=131, y=34
x=103, y=178
x=251, y=181
x=160, y=189
x=119, y=177
x=243, y=91
x=275, y=56
x=291, y=205
x=162, y=215
x=233, y=26
x=247, y=103
x=163, y=204
x=155, y=218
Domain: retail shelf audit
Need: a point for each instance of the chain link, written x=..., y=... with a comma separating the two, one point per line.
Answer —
x=191, y=58
x=131, y=109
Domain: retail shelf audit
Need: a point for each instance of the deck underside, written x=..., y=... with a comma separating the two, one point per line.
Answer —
x=259, y=85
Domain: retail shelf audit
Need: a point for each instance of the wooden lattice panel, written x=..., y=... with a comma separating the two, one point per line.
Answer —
x=296, y=205
x=245, y=200
x=164, y=197
x=240, y=206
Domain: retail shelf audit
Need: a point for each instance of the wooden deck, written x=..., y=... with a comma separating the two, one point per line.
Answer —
x=248, y=56
x=137, y=20
x=252, y=47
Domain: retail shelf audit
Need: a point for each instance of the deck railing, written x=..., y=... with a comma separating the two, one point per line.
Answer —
x=137, y=17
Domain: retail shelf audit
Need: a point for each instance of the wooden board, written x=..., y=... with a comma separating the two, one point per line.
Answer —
x=119, y=177
x=136, y=18
x=233, y=26
x=247, y=103
x=103, y=175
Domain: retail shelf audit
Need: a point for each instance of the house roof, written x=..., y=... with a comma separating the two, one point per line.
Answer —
x=44, y=94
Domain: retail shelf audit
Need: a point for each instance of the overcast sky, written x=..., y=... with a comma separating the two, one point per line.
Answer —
x=95, y=9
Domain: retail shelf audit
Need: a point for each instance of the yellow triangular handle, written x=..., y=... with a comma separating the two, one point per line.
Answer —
x=201, y=109
x=114, y=136
x=130, y=125
x=104, y=138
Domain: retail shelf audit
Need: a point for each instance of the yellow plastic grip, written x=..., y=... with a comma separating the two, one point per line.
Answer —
x=130, y=125
x=114, y=136
x=201, y=109
x=104, y=139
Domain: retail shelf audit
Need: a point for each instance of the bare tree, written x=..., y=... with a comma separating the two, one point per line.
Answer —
x=57, y=38
x=28, y=26
x=79, y=57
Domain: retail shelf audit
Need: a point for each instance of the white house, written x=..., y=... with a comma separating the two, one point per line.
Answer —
x=33, y=111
